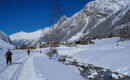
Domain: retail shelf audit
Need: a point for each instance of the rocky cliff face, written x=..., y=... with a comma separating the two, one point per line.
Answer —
x=5, y=37
x=113, y=24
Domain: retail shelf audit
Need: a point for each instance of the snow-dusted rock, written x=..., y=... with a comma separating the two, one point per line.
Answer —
x=89, y=21
x=5, y=45
x=4, y=37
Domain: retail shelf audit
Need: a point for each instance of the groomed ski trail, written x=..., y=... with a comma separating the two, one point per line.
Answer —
x=28, y=72
x=37, y=67
x=53, y=70
x=12, y=72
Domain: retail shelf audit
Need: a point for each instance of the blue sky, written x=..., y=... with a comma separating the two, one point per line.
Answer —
x=31, y=15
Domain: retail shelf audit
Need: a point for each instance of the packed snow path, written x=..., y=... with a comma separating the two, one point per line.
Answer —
x=53, y=70
x=36, y=67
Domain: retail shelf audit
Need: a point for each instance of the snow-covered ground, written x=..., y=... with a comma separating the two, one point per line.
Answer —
x=4, y=46
x=11, y=72
x=104, y=53
x=37, y=66
x=53, y=70
x=34, y=67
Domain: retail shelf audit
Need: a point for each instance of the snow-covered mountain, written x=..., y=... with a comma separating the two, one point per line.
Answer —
x=113, y=24
x=98, y=17
x=24, y=38
x=4, y=37
x=87, y=20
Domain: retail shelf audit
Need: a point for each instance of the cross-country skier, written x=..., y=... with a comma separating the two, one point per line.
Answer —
x=8, y=57
x=28, y=52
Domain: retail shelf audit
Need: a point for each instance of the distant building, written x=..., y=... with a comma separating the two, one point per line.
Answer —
x=42, y=45
x=21, y=47
x=84, y=41
x=55, y=44
x=31, y=47
x=68, y=43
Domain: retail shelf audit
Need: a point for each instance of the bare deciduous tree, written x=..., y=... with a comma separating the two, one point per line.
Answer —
x=55, y=14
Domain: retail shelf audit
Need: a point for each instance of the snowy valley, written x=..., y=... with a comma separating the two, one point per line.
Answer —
x=93, y=44
x=104, y=55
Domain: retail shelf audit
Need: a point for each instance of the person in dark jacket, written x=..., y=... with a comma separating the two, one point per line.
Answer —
x=28, y=52
x=8, y=57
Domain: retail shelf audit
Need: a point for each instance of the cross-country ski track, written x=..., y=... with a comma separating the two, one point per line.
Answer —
x=12, y=72
x=36, y=67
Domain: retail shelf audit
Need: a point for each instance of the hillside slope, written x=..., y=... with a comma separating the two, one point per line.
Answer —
x=4, y=45
x=4, y=37
x=87, y=20
x=104, y=53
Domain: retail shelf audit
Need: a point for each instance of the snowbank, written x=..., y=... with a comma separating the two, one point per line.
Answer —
x=103, y=53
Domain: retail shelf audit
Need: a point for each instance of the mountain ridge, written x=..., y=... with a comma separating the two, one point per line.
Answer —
x=88, y=22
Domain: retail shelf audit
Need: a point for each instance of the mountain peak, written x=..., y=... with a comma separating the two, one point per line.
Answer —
x=62, y=18
x=28, y=38
x=106, y=5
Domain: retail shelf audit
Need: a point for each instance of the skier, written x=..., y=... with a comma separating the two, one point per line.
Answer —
x=28, y=52
x=8, y=57
x=40, y=51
